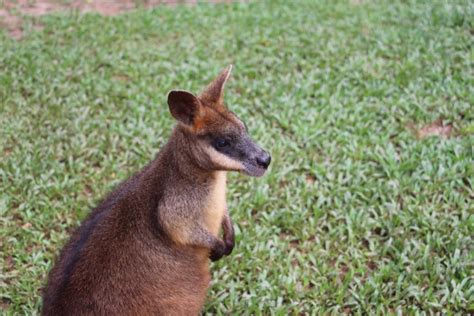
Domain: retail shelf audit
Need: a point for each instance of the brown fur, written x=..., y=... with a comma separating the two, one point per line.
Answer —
x=144, y=250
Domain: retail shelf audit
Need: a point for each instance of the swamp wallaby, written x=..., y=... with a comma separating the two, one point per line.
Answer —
x=145, y=249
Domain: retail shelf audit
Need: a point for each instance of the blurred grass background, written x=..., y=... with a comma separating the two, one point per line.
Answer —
x=365, y=106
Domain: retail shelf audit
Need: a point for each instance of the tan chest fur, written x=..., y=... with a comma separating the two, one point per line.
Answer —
x=215, y=204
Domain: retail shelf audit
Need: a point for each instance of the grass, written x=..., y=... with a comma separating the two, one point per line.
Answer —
x=356, y=215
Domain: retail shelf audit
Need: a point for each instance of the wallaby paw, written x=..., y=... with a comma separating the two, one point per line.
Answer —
x=229, y=246
x=217, y=252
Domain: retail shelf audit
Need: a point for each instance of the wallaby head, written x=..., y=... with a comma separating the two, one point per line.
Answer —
x=215, y=137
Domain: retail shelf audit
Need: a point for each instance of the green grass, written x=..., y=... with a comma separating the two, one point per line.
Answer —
x=356, y=214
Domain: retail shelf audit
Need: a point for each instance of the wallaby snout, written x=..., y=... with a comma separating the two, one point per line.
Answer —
x=264, y=160
x=254, y=159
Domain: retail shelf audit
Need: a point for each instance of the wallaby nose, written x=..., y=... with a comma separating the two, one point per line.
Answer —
x=264, y=160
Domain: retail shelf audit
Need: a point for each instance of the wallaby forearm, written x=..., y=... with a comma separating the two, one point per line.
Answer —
x=228, y=232
x=189, y=233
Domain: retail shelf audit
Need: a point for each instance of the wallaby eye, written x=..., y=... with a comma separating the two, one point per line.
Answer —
x=221, y=142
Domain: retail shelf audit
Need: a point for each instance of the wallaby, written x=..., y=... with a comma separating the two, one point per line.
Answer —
x=145, y=249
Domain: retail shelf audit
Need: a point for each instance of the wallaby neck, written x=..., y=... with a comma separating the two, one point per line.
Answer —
x=179, y=179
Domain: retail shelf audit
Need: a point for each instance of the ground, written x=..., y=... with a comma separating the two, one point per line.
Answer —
x=366, y=108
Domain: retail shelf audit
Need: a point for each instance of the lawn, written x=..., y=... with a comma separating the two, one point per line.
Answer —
x=366, y=107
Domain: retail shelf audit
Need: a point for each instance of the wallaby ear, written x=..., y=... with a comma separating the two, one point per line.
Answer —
x=184, y=106
x=215, y=90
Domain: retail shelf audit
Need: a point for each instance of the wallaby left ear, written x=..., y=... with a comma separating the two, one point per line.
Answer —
x=184, y=106
x=215, y=90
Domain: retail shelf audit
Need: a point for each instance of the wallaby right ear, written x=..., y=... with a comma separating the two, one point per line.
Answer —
x=184, y=106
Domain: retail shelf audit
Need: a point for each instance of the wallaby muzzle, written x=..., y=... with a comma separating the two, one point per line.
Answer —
x=255, y=159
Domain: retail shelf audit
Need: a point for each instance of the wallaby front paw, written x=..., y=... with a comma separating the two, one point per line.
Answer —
x=229, y=245
x=218, y=251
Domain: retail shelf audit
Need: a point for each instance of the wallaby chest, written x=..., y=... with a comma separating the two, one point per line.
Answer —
x=215, y=203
